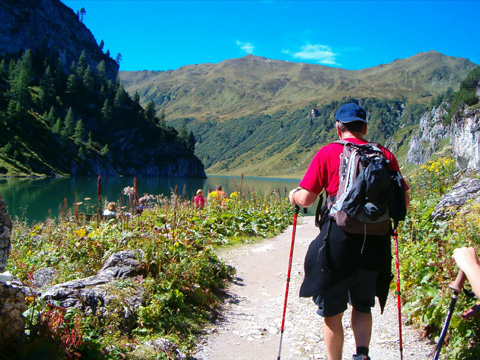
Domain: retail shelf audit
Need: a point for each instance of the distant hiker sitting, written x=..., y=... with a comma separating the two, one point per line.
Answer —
x=142, y=205
x=467, y=261
x=218, y=195
x=200, y=199
x=341, y=267
x=110, y=211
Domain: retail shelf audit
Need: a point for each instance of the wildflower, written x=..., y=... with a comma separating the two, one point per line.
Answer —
x=129, y=191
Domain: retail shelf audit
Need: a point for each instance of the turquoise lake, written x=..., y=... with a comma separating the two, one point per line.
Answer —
x=36, y=199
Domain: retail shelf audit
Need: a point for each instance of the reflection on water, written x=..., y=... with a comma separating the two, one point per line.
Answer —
x=35, y=199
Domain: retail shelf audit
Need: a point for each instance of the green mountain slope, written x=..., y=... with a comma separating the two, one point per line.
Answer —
x=254, y=115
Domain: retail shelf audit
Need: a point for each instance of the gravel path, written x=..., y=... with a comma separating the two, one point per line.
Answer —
x=251, y=318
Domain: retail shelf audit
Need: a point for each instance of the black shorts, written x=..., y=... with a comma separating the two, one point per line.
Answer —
x=357, y=290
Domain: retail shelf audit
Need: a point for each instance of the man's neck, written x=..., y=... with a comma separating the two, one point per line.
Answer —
x=350, y=135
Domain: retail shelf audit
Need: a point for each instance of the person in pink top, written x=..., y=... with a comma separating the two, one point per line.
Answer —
x=343, y=268
x=200, y=199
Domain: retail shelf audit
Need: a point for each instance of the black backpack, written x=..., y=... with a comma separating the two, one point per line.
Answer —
x=369, y=194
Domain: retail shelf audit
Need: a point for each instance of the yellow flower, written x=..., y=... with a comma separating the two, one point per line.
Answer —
x=81, y=232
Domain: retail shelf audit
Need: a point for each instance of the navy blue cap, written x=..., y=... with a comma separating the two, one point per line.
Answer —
x=350, y=112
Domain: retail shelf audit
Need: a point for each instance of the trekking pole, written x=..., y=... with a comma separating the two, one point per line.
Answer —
x=294, y=229
x=456, y=286
x=399, y=301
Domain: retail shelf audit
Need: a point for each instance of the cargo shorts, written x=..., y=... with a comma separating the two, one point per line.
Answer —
x=357, y=290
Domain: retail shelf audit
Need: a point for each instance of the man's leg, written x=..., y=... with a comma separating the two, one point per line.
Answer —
x=333, y=334
x=362, y=328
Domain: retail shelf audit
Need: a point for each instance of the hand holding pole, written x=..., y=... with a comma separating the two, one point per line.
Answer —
x=456, y=286
x=294, y=229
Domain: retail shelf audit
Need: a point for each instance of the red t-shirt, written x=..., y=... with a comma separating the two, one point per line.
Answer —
x=323, y=170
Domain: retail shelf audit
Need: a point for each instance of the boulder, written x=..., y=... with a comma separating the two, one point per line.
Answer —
x=449, y=204
x=12, y=307
x=100, y=295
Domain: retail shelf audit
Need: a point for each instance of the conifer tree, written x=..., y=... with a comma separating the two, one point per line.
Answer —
x=107, y=112
x=121, y=97
x=79, y=132
x=57, y=128
x=26, y=64
x=82, y=63
x=18, y=84
x=90, y=140
x=191, y=142
x=50, y=119
x=136, y=98
x=88, y=81
x=150, y=112
x=47, y=88
x=69, y=124
x=82, y=13
x=72, y=86
x=161, y=118
x=102, y=69
x=182, y=132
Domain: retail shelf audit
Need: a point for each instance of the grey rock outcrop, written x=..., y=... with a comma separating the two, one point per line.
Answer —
x=97, y=294
x=430, y=134
x=465, y=137
x=461, y=192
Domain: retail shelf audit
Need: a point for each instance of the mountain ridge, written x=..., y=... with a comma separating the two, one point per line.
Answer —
x=254, y=84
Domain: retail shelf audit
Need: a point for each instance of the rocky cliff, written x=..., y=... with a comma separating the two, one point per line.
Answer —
x=431, y=133
x=462, y=134
x=465, y=137
x=43, y=25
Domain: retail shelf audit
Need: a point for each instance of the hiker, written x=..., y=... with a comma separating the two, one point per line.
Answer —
x=219, y=193
x=341, y=267
x=218, y=196
x=142, y=205
x=467, y=261
x=200, y=199
x=110, y=211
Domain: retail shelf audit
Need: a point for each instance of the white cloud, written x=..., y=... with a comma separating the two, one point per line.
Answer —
x=246, y=47
x=322, y=54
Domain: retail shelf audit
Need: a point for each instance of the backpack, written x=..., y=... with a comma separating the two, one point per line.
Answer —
x=369, y=194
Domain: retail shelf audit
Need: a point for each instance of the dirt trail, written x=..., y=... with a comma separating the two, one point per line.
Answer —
x=250, y=326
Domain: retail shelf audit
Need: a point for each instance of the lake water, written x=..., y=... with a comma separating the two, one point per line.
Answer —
x=35, y=199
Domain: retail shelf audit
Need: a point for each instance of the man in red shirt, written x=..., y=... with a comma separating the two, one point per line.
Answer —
x=340, y=267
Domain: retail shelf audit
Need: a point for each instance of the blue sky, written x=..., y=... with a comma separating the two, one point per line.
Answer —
x=163, y=35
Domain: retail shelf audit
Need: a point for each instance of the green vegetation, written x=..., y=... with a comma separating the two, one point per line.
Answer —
x=427, y=268
x=58, y=121
x=283, y=143
x=182, y=276
x=467, y=93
